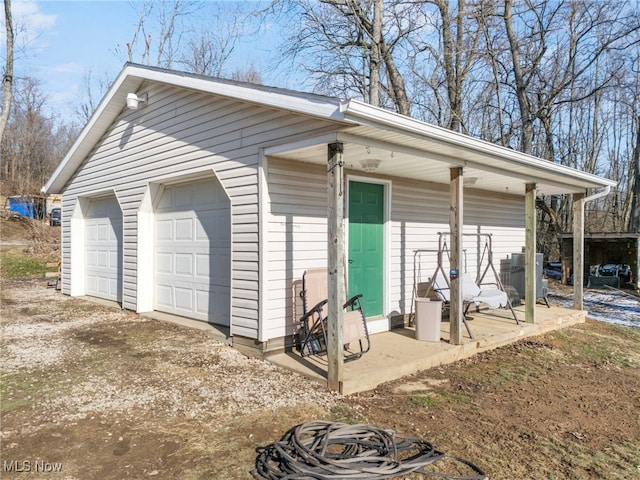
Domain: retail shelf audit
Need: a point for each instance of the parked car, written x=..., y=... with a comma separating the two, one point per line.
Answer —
x=55, y=217
x=614, y=270
x=553, y=270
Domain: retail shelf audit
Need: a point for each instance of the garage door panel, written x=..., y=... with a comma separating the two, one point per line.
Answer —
x=206, y=304
x=202, y=302
x=100, y=285
x=104, y=233
x=91, y=258
x=213, y=196
x=104, y=285
x=193, y=252
x=202, y=265
x=164, y=229
x=103, y=249
x=184, y=264
x=200, y=233
x=164, y=261
x=221, y=300
x=103, y=259
x=113, y=260
x=222, y=267
x=184, y=298
x=91, y=232
x=164, y=296
x=213, y=302
x=220, y=234
x=92, y=283
x=184, y=229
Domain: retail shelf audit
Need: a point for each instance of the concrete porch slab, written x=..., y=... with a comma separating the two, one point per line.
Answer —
x=397, y=353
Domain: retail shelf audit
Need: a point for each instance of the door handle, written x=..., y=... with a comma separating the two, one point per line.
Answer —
x=350, y=261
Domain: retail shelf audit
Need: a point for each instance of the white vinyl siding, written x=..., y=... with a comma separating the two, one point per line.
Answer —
x=421, y=210
x=179, y=131
x=297, y=233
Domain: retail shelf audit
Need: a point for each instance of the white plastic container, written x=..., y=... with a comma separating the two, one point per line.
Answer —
x=428, y=319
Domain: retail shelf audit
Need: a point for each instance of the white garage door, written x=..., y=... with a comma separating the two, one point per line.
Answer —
x=193, y=252
x=103, y=249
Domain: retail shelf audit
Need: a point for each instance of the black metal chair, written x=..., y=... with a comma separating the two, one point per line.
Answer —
x=312, y=332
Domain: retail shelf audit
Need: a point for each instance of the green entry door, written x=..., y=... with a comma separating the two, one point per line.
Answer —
x=366, y=245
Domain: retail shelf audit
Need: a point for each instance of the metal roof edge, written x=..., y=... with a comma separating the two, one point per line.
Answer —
x=275, y=97
x=376, y=115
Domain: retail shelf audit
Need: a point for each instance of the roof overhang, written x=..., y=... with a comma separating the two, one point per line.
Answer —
x=606, y=236
x=404, y=146
x=409, y=148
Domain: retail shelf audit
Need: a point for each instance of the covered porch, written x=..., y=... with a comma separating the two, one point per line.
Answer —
x=397, y=353
x=381, y=146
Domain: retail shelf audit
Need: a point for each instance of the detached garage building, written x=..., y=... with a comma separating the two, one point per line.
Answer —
x=209, y=200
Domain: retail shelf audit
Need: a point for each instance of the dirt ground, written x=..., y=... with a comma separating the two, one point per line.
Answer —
x=92, y=392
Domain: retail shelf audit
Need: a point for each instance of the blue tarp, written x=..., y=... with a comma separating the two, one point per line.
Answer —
x=22, y=206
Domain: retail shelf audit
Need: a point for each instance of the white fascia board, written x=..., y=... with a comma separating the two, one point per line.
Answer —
x=275, y=150
x=377, y=116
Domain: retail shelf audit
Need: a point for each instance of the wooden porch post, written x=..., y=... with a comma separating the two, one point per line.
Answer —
x=578, y=251
x=336, y=267
x=530, y=253
x=455, y=226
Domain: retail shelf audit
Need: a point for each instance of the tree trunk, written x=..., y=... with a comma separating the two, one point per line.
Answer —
x=398, y=89
x=374, y=87
x=526, y=142
x=634, y=217
x=7, y=79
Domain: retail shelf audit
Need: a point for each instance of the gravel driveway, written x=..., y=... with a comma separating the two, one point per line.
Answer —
x=117, y=362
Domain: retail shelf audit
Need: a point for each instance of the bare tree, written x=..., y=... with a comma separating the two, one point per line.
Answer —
x=161, y=19
x=453, y=55
x=7, y=77
x=209, y=50
x=248, y=74
x=351, y=47
x=493, y=107
x=33, y=143
x=634, y=211
x=544, y=64
x=383, y=50
x=145, y=11
x=376, y=55
x=94, y=89
x=197, y=36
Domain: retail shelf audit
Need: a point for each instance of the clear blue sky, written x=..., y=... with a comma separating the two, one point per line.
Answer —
x=64, y=41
